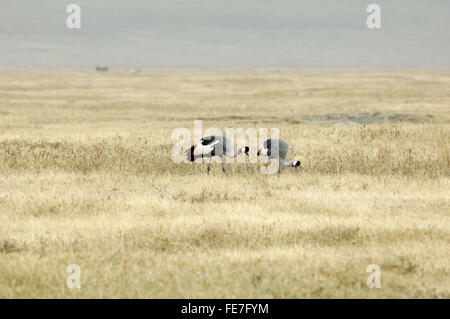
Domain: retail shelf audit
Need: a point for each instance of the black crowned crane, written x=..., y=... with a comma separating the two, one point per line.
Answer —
x=277, y=149
x=211, y=146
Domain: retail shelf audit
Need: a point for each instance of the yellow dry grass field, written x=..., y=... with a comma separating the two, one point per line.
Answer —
x=86, y=178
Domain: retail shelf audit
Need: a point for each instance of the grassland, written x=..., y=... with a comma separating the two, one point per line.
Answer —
x=86, y=178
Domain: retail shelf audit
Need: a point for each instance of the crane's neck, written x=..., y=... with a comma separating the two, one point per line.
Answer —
x=233, y=155
x=286, y=164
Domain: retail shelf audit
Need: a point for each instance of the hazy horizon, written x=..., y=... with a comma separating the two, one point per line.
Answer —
x=225, y=34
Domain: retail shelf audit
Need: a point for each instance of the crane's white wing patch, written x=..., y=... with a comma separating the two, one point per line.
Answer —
x=204, y=149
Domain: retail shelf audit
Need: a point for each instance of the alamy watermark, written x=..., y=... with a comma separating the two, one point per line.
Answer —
x=254, y=136
x=374, y=19
x=374, y=279
x=74, y=279
x=73, y=21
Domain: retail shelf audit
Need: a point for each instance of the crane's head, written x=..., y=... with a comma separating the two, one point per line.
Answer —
x=296, y=164
x=244, y=150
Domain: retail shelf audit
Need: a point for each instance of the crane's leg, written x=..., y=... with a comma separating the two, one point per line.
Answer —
x=223, y=169
x=267, y=164
x=209, y=166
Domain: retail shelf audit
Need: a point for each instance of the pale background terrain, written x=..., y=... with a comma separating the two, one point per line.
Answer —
x=225, y=33
x=86, y=178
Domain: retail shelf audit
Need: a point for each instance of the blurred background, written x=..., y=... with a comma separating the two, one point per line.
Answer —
x=218, y=33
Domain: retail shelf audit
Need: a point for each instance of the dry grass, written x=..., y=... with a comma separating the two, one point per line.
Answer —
x=86, y=178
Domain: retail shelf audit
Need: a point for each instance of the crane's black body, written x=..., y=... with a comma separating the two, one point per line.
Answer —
x=211, y=146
